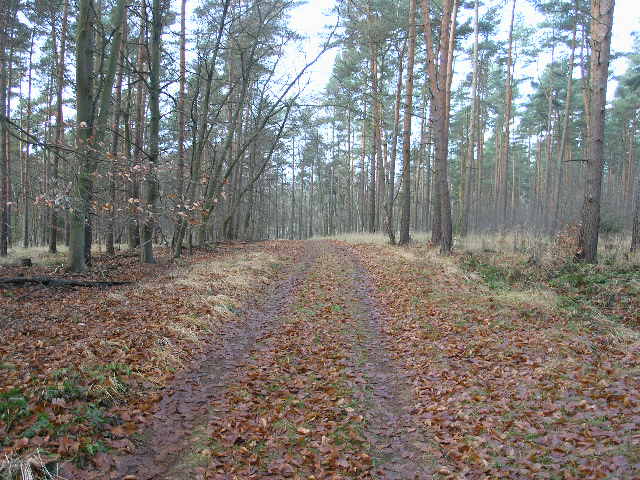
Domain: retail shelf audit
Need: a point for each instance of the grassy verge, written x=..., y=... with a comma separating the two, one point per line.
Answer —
x=608, y=291
x=38, y=255
x=80, y=369
x=519, y=264
x=373, y=238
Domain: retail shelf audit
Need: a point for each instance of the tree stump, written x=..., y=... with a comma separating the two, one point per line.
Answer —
x=26, y=262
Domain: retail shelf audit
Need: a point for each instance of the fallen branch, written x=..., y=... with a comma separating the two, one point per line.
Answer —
x=58, y=282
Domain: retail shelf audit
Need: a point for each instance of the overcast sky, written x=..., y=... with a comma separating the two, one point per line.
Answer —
x=312, y=18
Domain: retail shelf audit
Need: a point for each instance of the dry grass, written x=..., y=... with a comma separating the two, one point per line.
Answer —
x=502, y=242
x=531, y=297
x=34, y=466
x=41, y=255
x=185, y=332
x=196, y=322
x=373, y=238
x=241, y=272
x=225, y=300
x=527, y=261
x=166, y=355
x=206, y=281
x=38, y=255
x=539, y=272
x=613, y=249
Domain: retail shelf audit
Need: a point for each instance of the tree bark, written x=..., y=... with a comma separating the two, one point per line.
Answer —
x=635, y=229
x=181, y=103
x=84, y=128
x=375, y=175
x=565, y=121
x=59, y=132
x=151, y=180
x=505, y=149
x=389, y=226
x=405, y=218
x=111, y=211
x=439, y=83
x=6, y=14
x=201, y=130
x=26, y=162
x=601, y=26
x=473, y=137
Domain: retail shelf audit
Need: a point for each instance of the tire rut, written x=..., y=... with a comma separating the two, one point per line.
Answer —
x=398, y=443
x=184, y=408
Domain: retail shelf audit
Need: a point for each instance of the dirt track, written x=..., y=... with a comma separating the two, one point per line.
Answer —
x=385, y=443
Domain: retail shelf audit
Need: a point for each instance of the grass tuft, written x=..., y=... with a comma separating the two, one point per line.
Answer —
x=37, y=465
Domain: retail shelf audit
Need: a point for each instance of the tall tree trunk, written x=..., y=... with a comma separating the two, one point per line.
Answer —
x=108, y=67
x=432, y=55
x=550, y=170
x=84, y=128
x=601, y=25
x=425, y=146
x=5, y=16
x=371, y=221
x=505, y=149
x=201, y=131
x=442, y=144
x=111, y=211
x=134, y=226
x=26, y=183
x=59, y=131
x=630, y=164
x=470, y=171
x=151, y=181
x=390, y=227
x=565, y=121
x=7, y=204
x=635, y=229
x=405, y=218
x=440, y=84
x=181, y=102
x=363, y=170
x=350, y=223
x=293, y=189
x=377, y=193
x=376, y=183
x=4, y=154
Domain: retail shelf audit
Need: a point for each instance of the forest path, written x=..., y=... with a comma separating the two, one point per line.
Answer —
x=346, y=361
x=179, y=416
x=303, y=387
x=400, y=446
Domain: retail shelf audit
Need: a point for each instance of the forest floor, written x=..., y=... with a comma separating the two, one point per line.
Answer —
x=317, y=359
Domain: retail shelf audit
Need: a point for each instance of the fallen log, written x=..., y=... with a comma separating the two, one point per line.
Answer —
x=58, y=282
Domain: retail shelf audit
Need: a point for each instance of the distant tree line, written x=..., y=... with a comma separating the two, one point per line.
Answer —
x=129, y=123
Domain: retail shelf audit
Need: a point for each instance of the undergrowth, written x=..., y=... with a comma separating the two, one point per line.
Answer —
x=75, y=404
x=585, y=292
x=80, y=371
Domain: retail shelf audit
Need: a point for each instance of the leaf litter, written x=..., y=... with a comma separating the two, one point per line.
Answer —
x=508, y=391
x=81, y=370
x=353, y=362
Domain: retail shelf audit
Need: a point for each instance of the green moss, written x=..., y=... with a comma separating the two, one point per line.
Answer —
x=13, y=406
